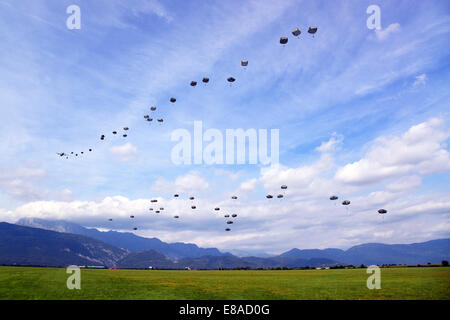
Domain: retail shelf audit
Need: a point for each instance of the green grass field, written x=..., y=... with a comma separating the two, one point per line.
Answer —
x=396, y=283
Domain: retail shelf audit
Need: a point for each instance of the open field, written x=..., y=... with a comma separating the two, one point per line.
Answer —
x=396, y=283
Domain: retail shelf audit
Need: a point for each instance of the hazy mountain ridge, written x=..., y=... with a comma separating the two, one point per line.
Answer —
x=126, y=240
x=433, y=251
x=145, y=259
x=33, y=246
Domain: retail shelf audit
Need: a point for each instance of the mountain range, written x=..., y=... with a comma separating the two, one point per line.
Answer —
x=31, y=246
x=59, y=243
x=125, y=240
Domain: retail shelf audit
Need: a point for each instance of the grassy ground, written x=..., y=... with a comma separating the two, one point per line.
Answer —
x=396, y=283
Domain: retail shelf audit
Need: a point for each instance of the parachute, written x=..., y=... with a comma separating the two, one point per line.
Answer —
x=234, y=215
x=131, y=217
x=333, y=197
x=90, y=150
x=157, y=211
x=146, y=116
x=109, y=219
x=162, y=209
x=149, y=119
x=229, y=222
x=193, y=207
x=173, y=100
x=114, y=132
x=125, y=128
x=193, y=83
x=296, y=32
x=191, y=198
x=227, y=216
x=284, y=187
x=125, y=135
x=152, y=108
x=205, y=80
x=346, y=203
x=154, y=200
x=244, y=63
x=217, y=209
x=382, y=211
x=160, y=120
x=231, y=79
x=227, y=229
x=234, y=197
x=82, y=152
x=280, y=196
x=175, y=195
x=134, y=228
x=283, y=40
x=269, y=196
x=101, y=138
x=312, y=30
x=176, y=217
x=151, y=209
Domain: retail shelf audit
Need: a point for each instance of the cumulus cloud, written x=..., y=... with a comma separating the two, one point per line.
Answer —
x=420, y=150
x=260, y=224
x=227, y=173
x=383, y=34
x=249, y=185
x=303, y=182
x=304, y=215
x=124, y=153
x=22, y=183
x=331, y=145
x=191, y=182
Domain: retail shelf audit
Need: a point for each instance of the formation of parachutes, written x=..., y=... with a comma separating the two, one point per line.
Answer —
x=244, y=63
x=347, y=203
x=205, y=80
x=230, y=217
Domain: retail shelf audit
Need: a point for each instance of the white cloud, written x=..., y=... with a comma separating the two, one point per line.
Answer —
x=331, y=145
x=261, y=225
x=233, y=176
x=383, y=34
x=249, y=185
x=124, y=153
x=419, y=151
x=190, y=183
x=303, y=182
x=404, y=183
x=19, y=183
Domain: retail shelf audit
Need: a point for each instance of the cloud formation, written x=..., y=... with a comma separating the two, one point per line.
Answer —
x=124, y=153
x=419, y=150
x=383, y=34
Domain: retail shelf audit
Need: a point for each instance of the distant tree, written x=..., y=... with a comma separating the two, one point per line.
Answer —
x=445, y=263
x=362, y=266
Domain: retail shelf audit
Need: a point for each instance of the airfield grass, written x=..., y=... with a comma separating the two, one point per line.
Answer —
x=396, y=283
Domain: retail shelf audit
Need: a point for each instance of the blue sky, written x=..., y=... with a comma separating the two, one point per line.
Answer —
x=376, y=100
